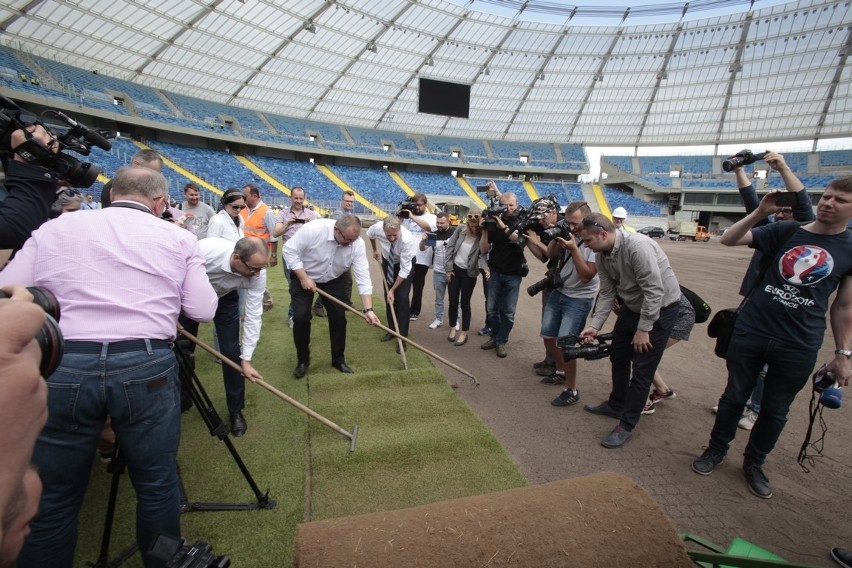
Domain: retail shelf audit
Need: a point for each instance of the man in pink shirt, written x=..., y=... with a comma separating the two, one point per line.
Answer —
x=121, y=288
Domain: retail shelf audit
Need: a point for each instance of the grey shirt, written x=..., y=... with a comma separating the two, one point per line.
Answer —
x=638, y=271
x=201, y=215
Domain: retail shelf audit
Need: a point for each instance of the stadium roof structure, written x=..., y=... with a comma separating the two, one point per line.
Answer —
x=779, y=72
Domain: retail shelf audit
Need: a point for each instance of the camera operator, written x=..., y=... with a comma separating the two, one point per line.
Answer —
x=574, y=288
x=119, y=318
x=782, y=324
x=419, y=222
x=634, y=268
x=32, y=191
x=23, y=396
x=507, y=265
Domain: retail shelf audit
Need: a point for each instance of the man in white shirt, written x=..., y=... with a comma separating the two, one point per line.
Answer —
x=439, y=275
x=231, y=267
x=419, y=222
x=318, y=255
x=398, y=250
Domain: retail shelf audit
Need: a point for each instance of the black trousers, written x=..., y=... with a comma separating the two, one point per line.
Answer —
x=227, y=322
x=301, y=300
x=461, y=290
x=419, y=272
x=401, y=304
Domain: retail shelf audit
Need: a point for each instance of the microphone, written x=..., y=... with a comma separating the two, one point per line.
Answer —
x=91, y=135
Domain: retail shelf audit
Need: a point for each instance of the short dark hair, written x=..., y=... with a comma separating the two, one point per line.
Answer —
x=419, y=197
x=578, y=206
x=843, y=184
x=189, y=186
x=146, y=156
x=441, y=215
x=253, y=189
x=598, y=223
x=299, y=188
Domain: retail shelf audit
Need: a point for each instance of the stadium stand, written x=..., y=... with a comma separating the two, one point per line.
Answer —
x=437, y=184
x=294, y=173
x=634, y=206
x=835, y=158
x=373, y=184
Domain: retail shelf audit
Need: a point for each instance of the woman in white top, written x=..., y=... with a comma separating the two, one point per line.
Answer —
x=463, y=264
x=227, y=223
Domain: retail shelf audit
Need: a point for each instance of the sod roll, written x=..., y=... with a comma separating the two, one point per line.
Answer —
x=601, y=520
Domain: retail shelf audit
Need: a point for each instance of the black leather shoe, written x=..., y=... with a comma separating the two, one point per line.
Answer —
x=301, y=370
x=238, y=424
x=387, y=337
x=343, y=368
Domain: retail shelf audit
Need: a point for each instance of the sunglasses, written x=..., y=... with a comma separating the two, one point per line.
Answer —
x=587, y=223
x=473, y=217
x=237, y=207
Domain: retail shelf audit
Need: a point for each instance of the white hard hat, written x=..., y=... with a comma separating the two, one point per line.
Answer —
x=620, y=212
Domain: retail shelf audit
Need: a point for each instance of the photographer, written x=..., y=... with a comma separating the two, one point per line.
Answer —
x=574, y=287
x=782, y=325
x=418, y=221
x=634, y=268
x=32, y=191
x=507, y=266
x=119, y=320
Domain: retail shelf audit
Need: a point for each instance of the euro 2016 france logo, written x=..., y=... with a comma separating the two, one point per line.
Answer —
x=805, y=265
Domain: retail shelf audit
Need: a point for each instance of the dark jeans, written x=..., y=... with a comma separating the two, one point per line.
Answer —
x=503, y=292
x=418, y=282
x=401, y=304
x=633, y=372
x=227, y=323
x=301, y=301
x=461, y=290
x=140, y=392
x=787, y=372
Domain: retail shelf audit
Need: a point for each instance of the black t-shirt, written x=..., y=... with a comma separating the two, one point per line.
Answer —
x=790, y=303
x=506, y=256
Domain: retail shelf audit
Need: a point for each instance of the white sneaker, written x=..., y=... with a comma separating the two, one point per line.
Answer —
x=748, y=420
x=436, y=324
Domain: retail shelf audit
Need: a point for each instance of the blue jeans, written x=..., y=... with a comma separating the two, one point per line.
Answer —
x=439, y=283
x=564, y=315
x=140, y=392
x=788, y=371
x=503, y=292
x=757, y=393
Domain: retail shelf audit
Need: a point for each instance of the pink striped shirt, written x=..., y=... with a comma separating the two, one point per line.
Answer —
x=118, y=273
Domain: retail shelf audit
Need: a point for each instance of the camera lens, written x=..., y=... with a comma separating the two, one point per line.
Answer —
x=49, y=336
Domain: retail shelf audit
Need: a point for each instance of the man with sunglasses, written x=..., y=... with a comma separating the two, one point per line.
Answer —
x=231, y=267
x=319, y=255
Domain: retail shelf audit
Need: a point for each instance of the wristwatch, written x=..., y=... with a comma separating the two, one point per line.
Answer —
x=365, y=310
x=846, y=352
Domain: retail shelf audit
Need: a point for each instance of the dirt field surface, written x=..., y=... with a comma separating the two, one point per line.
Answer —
x=809, y=512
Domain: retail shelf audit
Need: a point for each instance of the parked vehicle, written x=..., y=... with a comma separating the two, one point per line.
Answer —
x=688, y=231
x=653, y=232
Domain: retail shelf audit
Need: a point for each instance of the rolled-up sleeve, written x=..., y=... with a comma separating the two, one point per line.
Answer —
x=254, y=316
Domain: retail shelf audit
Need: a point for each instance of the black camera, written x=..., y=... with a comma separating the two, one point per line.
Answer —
x=406, y=208
x=552, y=280
x=573, y=347
x=49, y=337
x=178, y=553
x=79, y=138
x=560, y=229
x=740, y=159
x=167, y=216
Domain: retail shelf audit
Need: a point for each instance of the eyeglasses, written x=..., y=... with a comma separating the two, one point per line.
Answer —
x=253, y=270
x=346, y=241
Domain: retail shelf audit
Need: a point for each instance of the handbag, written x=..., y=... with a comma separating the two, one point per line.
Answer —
x=702, y=308
x=721, y=327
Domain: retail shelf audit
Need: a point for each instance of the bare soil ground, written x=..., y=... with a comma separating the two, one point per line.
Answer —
x=800, y=523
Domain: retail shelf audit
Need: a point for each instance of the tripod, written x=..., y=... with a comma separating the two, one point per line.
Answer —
x=192, y=384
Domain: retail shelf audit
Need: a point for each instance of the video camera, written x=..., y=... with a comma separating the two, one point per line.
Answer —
x=493, y=209
x=573, y=347
x=79, y=138
x=406, y=208
x=740, y=159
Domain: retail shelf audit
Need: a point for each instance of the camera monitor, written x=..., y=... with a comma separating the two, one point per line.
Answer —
x=443, y=98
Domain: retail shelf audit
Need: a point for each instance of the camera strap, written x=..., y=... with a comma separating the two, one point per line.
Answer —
x=132, y=205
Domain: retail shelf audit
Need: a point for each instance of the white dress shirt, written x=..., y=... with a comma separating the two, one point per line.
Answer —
x=222, y=225
x=217, y=259
x=406, y=247
x=313, y=249
x=422, y=256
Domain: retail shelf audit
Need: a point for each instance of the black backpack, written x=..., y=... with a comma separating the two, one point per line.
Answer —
x=702, y=308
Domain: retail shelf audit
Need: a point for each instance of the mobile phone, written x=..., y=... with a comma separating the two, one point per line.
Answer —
x=296, y=220
x=786, y=199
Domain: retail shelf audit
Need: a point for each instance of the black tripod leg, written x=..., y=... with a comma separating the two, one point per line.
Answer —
x=116, y=467
x=220, y=429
